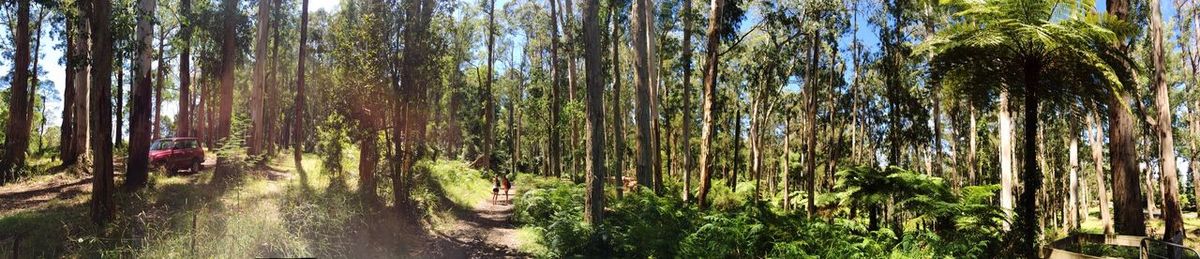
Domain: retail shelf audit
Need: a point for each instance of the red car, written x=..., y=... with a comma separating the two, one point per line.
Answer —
x=177, y=154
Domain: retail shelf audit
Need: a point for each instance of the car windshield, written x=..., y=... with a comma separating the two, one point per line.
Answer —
x=162, y=145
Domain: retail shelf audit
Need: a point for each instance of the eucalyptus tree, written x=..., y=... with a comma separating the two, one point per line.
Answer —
x=724, y=17
x=1172, y=214
x=555, y=97
x=298, y=117
x=594, y=208
x=1128, y=200
x=184, y=122
x=489, y=103
x=230, y=58
x=16, y=131
x=711, y=66
x=1096, y=142
x=1016, y=45
x=259, y=78
x=640, y=21
x=229, y=61
x=688, y=17
x=137, y=170
x=102, y=206
x=74, y=128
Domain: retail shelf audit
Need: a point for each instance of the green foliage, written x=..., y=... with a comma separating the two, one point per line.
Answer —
x=642, y=225
x=462, y=184
x=537, y=206
x=829, y=240
x=331, y=143
x=968, y=220
x=725, y=198
x=231, y=150
x=324, y=216
x=725, y=235
x=558, y=213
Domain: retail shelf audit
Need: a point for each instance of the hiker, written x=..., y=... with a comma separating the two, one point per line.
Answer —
x=495, y=188
x=507, y=186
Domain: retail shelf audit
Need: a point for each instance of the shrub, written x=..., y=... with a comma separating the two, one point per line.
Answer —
x=331, y=142
x=644, y=225
x=537, y=207
x=724, y=235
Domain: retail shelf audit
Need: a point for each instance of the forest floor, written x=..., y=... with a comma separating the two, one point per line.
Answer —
x=274, y=211
x=487, y=230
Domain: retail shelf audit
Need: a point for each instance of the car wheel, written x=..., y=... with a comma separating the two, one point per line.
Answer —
x=196, y=166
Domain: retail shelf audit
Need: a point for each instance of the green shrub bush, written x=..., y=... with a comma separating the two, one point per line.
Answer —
x=643, y=225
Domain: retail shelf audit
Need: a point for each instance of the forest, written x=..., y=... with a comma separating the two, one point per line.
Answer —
x=605, y=129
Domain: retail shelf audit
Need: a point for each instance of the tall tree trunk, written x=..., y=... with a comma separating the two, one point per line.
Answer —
x=66, y=153
x=645, y=162
x=368, y=158
x=1128, y=203
x=210, y=114
x=489, y=105
x=618, y=113
x=119, y=110
x=1195, y=159
x=1096, y=140
x=810, y=161
x=80, y=140
x=594, y=210
x=652, y=93
x=1172, y=214
x=102, y=206
x=298, y=115
x=139, y=119
x=225, y=91
x=711, y=68
x=159, y=83
x=566, y=15
x=787, y=163
x=735, y=155
x=1027, y=222
x=935, y=87
x=1151, y=207
x=555, y=96
x=971, y=155
x=258, y=131
x=33, y=77
x=272, y=98
x=1194, y=60
x=16, y=136
x=1072, y=191
x=689, y=162
x=1006, y=157
x=184, y=120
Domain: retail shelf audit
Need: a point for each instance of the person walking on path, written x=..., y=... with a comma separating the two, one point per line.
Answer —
x=495, y=188
x=507, y=185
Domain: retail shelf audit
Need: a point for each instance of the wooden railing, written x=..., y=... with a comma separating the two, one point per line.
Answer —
x=1148, y=248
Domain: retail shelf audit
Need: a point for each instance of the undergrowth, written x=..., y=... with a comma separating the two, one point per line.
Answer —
x=644, y=225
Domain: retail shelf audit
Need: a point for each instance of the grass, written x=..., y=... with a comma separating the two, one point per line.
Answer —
x=531, y=241
x=462, y=185
x=194, y=216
